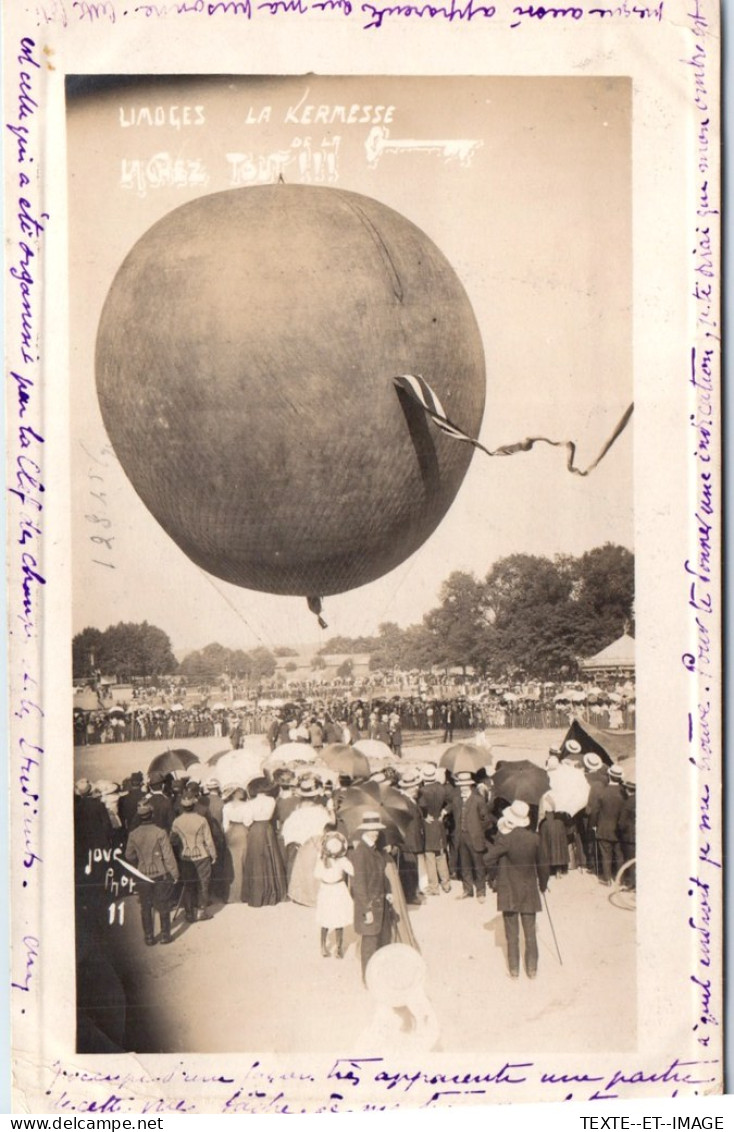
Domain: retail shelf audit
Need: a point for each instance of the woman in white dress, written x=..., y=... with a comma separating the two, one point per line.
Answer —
x=334, y=906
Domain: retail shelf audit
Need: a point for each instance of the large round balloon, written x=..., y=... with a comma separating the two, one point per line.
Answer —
x=245, y=362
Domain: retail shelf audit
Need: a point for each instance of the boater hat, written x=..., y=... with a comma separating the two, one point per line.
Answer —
x=573, y=747
x=464, y=778
x=309, y=787
x=592, y=761
x=428, y=772
x=615, y=773
x=370, y=820
x=517, y=815
x=410, y=778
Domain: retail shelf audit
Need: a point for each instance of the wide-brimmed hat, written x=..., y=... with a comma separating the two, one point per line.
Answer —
x=82, y=786
x=517, y=815
x=211, y=784
x=136, y=777
x=615, y=772
x=230, y=788
x=334, y=844
x=593, y=761
x=573, y=747
x=188, y=801
x=105, y=787
x=309, y=787
x=144, y=810
x=156, y=778
x=370, y=821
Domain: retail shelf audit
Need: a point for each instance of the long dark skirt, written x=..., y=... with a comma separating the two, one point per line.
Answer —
x=264, y=876
x=554, y=842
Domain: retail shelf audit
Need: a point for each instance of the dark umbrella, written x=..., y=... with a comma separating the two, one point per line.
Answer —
x=374, y=797
x=520, y=781
x=344, y=759
x=465, y=756
x=171, y=761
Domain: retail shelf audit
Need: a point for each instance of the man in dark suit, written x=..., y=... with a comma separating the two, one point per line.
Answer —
x=432, y=798
x=160, y=803
x=471, y=820
x=596, y=776
x=604, y=810
x=414, y=838
x=128, y=805
x=522, y=874
x=369, y=889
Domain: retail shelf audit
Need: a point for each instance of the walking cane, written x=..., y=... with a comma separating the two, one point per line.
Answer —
x=553, y=930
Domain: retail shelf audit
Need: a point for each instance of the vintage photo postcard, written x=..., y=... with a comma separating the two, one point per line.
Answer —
x=364, y=537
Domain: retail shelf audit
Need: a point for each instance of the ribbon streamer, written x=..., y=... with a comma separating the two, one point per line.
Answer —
x=419, y=391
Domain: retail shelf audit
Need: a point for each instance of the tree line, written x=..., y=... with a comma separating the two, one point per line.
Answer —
x=531, y=617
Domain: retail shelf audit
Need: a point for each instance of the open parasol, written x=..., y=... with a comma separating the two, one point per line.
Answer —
x=373, y=749
x=346, y=760
x=570, y=788
x=373, y=797
x=290, y=752
x=239, y=767
x=520, y=781
x=172, y=762
x=465, y=756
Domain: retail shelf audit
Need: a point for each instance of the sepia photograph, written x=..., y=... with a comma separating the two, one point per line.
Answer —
x=352, y=665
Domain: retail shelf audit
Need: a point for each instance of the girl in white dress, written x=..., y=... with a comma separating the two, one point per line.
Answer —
x=334, y=907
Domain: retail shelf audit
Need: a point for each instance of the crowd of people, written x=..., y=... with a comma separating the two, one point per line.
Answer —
x=178, y=721
x=361, y=851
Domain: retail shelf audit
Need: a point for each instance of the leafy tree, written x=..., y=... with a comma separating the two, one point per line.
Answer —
x=124, y=650
x=262, y=663
x=457, y=625
x=605, y=594
x=86, y=651
x=205, y=666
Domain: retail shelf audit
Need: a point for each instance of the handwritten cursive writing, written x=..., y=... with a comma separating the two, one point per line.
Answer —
x=31, y=946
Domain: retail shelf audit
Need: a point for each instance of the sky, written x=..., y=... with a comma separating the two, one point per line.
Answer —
x=535, y=220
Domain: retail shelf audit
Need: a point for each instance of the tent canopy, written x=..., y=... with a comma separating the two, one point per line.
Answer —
x=620, y=654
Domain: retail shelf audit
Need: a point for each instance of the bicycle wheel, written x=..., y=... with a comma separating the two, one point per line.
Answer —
x=622, y=896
